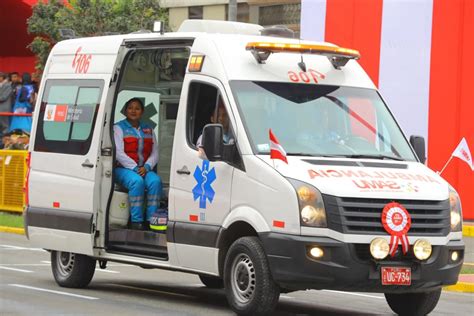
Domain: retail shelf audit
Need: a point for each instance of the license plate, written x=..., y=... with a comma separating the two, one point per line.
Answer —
x=396, y=276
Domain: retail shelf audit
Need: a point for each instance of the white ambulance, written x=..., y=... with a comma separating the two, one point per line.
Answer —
x=350, y=206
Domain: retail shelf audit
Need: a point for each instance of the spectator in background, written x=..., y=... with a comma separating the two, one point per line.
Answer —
x=23, y=105
x=6, y=93
x=16, y=139
x=36, y=83
x=15, y=81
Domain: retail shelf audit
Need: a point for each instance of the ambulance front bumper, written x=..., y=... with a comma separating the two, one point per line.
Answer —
x=349, y=267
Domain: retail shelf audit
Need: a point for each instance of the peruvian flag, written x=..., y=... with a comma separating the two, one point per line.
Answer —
x=276, y=151
x=463, y=153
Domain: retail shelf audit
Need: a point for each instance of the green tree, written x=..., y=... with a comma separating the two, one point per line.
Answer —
x=88, y=18
x=43, y=23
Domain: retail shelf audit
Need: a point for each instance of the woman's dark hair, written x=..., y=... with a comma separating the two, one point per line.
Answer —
x=26, y=78
x=134, y=100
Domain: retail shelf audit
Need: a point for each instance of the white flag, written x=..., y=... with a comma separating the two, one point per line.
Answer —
x=463, y=153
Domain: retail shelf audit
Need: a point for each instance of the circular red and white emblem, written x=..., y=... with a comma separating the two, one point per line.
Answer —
x=396, y=221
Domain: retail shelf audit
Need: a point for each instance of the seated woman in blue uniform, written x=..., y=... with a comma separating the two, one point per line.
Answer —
x=137, y=155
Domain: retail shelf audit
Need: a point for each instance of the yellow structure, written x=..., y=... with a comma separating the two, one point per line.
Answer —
x=12, y=180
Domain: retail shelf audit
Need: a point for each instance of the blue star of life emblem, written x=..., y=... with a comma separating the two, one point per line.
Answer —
x=204, y=178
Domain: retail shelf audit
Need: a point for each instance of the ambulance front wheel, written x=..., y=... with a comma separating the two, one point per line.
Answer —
x=72, y=270
x=413, y=304
x=249, y=285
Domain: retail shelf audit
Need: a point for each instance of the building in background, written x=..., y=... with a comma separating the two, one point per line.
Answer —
x=14, y=53
x=419, y=54
x=263, y=12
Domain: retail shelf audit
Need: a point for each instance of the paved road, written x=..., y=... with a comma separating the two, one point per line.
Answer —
x=27, y=287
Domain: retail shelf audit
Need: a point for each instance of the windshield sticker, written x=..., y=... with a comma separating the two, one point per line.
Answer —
x=376, y=180
x=66, y=113
x=203, y=189
x=81, y=114
x=310, y=76
x=55, y=113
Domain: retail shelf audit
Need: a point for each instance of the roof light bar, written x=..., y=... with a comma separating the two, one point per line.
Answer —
x=338, y=56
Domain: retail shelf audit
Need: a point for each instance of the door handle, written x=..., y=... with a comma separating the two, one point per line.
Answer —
x=87, y=164
x=106, y=151
x=183, y=170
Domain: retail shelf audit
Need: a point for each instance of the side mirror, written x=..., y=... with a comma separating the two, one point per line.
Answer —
x=418, y=144
x=212, y=141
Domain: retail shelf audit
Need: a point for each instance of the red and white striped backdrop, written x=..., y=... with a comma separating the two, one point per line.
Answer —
x=420, y=54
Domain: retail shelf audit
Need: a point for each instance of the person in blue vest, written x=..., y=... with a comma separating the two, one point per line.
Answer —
x=137, y=154
x=23, y=105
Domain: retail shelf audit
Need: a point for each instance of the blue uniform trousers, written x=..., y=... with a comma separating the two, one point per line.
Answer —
x=136, y=190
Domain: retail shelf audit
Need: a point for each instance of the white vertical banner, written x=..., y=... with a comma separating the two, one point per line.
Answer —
x=313, y=20
x=405, y=52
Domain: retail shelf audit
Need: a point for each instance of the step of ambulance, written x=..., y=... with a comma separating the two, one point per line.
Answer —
x=148, y=243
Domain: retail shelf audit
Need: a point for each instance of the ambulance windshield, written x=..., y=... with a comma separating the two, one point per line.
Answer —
x=320, y=120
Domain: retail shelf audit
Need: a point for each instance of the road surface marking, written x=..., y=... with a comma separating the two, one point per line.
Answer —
x=11, y=247
x=17, y=270
x=355, y=294
x=54, y=292
x=150, y=290
x=286, y=296
x=107, y=271
x=25, y=264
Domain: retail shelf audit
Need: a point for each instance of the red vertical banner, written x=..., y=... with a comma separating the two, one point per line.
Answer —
x=450, y=116
x=465, y=185
x=357, y=24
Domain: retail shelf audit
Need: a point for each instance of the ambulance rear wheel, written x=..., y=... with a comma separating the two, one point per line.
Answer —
x=72, y=270
x=249, y=285
x=413, y=304
x=211, y=281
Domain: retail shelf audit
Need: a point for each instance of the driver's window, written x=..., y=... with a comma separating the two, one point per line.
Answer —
x=205, y=106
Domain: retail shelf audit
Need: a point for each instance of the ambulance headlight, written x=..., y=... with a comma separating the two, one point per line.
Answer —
x=455, y=210
x=422, y=249
x=379, y=248
x=311, y=205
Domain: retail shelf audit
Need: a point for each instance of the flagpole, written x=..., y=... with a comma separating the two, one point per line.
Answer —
x=449, y=160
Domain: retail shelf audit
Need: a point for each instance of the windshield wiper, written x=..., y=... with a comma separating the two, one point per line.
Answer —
x=299, y=154
x=376, y=157
x=316, y=155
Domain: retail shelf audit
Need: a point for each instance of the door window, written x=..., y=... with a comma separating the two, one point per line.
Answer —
x=205, y=106
x=67, y=116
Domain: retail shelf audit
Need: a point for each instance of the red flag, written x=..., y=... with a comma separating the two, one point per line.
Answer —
x=276, y=151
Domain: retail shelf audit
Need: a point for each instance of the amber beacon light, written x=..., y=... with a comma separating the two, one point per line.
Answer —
x=337, y=55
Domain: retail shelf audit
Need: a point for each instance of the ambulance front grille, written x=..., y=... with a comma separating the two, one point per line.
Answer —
x=363, y=216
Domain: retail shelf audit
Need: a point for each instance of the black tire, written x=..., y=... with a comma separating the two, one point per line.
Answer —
x=211, y=282
x=413, y=304
x=72, y=270
x=249, y=285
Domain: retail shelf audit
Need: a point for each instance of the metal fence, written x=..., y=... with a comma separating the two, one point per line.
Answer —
x=12, y=175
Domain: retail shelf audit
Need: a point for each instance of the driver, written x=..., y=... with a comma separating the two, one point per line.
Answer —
x=318, y=128
x=219, y=116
